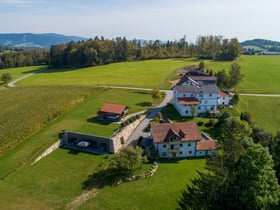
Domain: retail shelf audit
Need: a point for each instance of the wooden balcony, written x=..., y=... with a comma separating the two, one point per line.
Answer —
x=174, y=150
x=174, y=142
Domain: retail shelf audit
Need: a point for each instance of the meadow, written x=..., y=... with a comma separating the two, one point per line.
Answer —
x=56, y=99
x=145, y=74
x=157, y=73
x=54, y=181
x=21, y=71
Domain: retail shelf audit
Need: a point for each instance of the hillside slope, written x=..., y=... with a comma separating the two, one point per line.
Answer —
x=29, y=40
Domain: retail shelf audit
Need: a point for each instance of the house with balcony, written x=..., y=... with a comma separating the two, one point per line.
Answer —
x=180, y=140
x=192, y=100
x=199, y=94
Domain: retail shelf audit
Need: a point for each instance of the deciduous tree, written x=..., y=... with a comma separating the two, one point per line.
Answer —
x=5, y=77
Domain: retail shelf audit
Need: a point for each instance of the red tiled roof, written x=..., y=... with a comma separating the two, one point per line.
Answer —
x=206, y=145
x=222, y=94
x=187, y=131
x=188, y=101
x=113, y=108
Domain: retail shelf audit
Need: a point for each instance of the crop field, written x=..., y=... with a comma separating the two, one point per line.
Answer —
x=29, y=109
x=82, y=118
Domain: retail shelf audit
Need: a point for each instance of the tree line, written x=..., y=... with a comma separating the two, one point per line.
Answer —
x=244, y=174
x=10, y=58
x=100, y=51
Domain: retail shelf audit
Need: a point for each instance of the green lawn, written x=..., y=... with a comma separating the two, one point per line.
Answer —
x=265, y=112
x=148, y=74
x=58, y=178
x=261, y=73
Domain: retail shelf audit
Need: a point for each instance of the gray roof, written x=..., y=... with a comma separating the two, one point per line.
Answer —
x=197, y=89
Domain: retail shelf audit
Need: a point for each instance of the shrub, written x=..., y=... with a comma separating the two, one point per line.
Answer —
x=200, y=123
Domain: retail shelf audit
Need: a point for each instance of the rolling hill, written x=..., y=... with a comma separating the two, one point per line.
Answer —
x=31, y=41
x=261, y=46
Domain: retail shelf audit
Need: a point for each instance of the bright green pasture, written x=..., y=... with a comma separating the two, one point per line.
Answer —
x=58, y=178
x=149, y=74
x=265, y=111
x=158, y=192
x=81, y=119
x=262, y=74
x=20, y=71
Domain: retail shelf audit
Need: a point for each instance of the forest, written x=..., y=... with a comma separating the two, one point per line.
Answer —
x=100, y=51
x=14, y=57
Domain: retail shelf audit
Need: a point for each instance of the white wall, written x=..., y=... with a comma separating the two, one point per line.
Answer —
x=187, y=149
x=223, y=100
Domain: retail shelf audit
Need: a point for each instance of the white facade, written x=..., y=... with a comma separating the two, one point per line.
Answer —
x=180, y=150
x=223, y=100
x=203, y=153
x=207, y=100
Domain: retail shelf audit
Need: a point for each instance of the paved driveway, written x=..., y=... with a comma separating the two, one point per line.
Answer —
x=152, y=114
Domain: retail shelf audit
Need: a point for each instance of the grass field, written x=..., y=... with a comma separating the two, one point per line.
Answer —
x=148, y=74
x=21, y=71
x=265, y=112
x=57, y=179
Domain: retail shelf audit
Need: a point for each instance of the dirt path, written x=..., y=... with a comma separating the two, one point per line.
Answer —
x=12, y=83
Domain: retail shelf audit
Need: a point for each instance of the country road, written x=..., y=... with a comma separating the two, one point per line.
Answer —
x=152, y=112
x=260, y=94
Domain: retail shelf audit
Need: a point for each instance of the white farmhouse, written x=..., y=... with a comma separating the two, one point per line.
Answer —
x=178, y=140
x=223, y=99
x=193, y=100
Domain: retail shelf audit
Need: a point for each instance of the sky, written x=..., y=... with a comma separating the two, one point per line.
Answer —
x=144, y=19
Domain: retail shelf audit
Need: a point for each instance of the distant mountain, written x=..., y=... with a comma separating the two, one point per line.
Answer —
x=261, y=45
x=31, y=41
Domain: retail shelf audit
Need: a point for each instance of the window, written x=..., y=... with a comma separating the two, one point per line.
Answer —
x=199, y=108
x=181, y=145
x=187, y=111
x=164, y=146
x=210, y=94
x=190, y=152
x=189, y=144
x=184, y=95
x=181, y=153
x=163, y=154
x=200, y=95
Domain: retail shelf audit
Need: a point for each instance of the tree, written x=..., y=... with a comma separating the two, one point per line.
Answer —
x=201, y=65
x=156, y=94
x=235, y=76
x=245, y=116
x=240, y=176
x=127, y=159
x=222, y=79
x=275, y=151
x=5, y=77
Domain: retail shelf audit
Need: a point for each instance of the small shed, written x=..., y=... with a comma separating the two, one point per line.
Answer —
x=112, y=112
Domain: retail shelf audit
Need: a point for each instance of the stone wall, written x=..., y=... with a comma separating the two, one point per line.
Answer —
x=120, y=138
x=47, y=151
